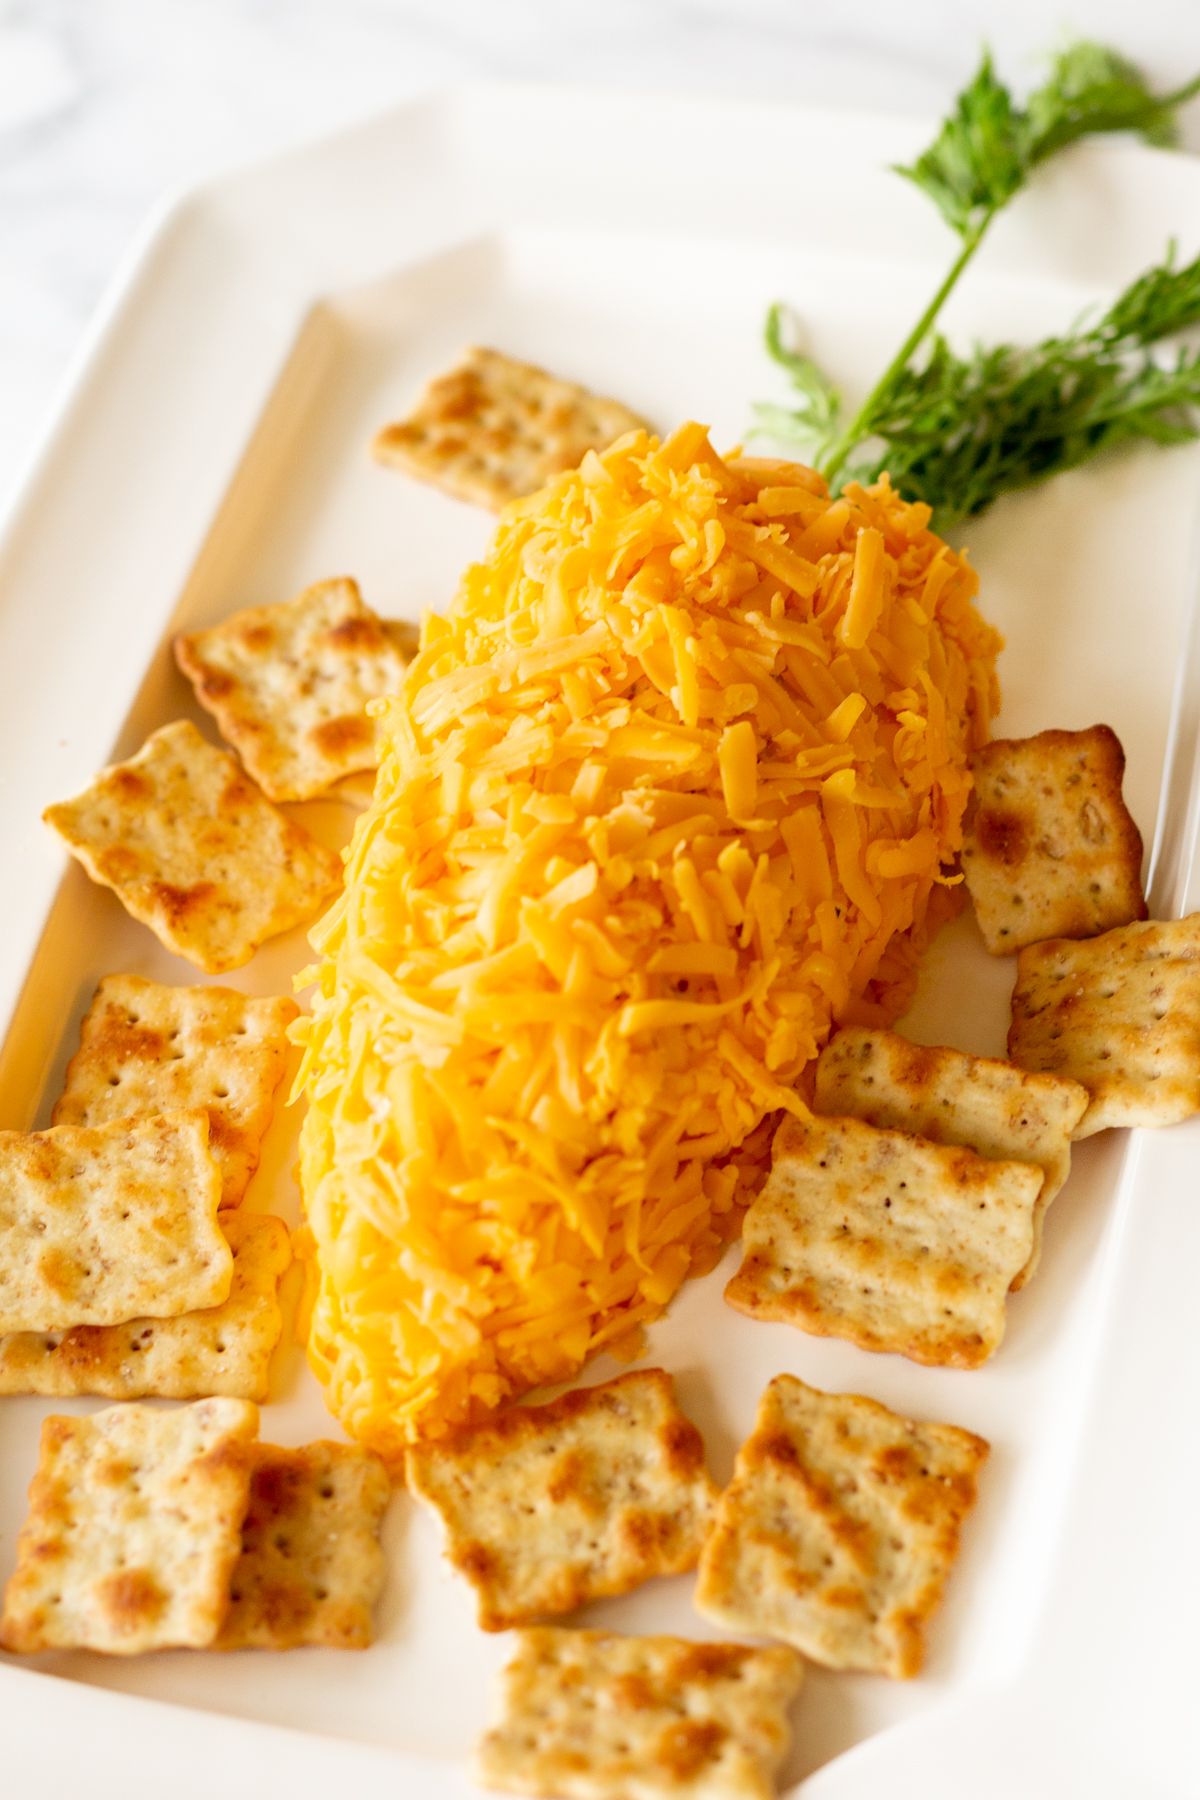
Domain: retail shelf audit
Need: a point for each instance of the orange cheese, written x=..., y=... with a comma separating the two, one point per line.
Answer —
x=674, y=784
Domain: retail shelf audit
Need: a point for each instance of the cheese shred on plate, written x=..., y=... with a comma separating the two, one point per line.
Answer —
x=674, y=785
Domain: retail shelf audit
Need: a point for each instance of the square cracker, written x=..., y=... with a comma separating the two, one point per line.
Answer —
x=493, y=429
x=1050, y=848
x=589, y=1715
x=223, y=1349
x=547, y=1507
x=311, y=1568
x=144, y=1047
x=839, y=1528
x=289, y=684
x=952, y=1098
x=192, y=849
x=886, y=1240
x=1118, y=1013
x=112, y=1222
x=133, y=1529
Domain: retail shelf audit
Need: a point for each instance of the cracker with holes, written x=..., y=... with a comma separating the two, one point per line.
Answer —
x=133, y=1530
x=1121, y=1015
x=192, y=849
x=1050, y=849
x=839, y=1528
x=952, y=1098
x=223, y=1349
x=588, y=1715
x=144, y=1047
x=493, y=429
x=311, y=1567
x=289, y=686
x=112, y=1222
x=547, y=1507
x=886, y=1240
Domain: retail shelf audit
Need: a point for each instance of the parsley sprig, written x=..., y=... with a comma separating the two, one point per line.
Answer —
x=958, y=431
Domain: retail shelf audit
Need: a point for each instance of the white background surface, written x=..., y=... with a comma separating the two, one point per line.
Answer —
x=107, y=104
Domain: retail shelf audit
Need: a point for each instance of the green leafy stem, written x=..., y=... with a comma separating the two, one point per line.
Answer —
x=959, y=431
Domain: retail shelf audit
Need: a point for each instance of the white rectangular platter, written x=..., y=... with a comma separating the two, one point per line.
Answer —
x=212, y=453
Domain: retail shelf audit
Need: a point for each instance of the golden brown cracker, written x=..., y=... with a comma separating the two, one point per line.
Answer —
x=145, y=1047
x=886, y=1240
x=588, y=1715
x=311, y=1567
x=133, y=1530
x=1050, y=848
x=192, y=849
x=492, y=429
x=1121, y=1015
x=289, y=684
x=546, y=1507
x=223, y=1349
x=107, y=1223
x=839, y=1528
x=950, y=1097
x=405, y=636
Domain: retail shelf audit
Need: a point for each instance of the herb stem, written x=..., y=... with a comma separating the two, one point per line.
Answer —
x=1188, y=91
x=847, y=439
x=956, y=431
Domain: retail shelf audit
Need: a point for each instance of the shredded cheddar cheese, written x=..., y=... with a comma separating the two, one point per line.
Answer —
x=672, y=787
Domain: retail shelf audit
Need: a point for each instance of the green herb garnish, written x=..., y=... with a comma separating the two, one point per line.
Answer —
x=959, y=431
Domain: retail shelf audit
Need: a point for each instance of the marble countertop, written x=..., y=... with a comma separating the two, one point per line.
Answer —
x=107, y=104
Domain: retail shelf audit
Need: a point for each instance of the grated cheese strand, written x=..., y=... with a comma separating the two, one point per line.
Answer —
x=676, y=783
